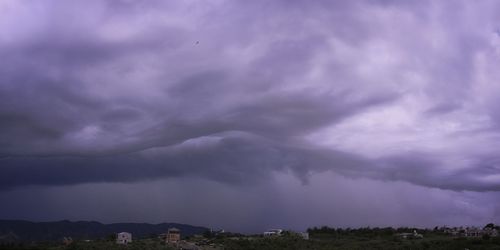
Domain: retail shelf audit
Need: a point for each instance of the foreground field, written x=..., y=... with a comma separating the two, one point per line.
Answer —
x=362, y=243
x=291, y=243
x=319, y=239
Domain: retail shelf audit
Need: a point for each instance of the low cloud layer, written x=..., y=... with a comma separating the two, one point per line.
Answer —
x=234, y=91
x=329, y=199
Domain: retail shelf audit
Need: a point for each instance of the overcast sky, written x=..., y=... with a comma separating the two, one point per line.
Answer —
x=248, y=115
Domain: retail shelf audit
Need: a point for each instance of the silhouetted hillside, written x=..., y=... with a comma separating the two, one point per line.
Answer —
x=19, y=230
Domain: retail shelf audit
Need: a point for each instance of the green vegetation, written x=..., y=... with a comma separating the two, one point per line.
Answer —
x=363, y=238
x=142, y=244
x=361, y=242
x=319, y=239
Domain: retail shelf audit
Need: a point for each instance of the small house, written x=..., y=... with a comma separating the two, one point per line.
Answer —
x=473, y=232
x=173, y=236
x=67, y=241
x=492, y=232
x=123, y=238
x=304, y=235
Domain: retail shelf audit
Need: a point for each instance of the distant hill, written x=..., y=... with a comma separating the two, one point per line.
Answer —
x=26, y=231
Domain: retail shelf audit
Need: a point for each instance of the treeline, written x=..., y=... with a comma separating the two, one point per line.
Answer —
x=363, y=232
x=368, y=232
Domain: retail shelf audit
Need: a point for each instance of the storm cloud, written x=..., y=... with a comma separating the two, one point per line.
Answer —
x=237, y=92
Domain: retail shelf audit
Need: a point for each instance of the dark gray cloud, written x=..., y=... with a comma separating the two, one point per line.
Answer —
x=232, y=157
x=117, y=91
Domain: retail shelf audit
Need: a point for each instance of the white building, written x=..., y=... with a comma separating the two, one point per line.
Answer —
x=123, y=238
x=173, y=235
x=273, y=232
x=473, y=232
x=304, y=235
x=413, y=235
x=492, y=232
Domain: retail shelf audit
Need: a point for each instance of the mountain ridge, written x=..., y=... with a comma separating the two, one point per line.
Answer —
x=27, y=231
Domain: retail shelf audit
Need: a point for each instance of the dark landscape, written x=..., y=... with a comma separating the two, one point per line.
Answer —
x=25, y=231
x=94, y=235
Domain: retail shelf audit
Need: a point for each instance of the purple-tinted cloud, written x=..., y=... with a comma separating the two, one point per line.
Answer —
x=118, y=91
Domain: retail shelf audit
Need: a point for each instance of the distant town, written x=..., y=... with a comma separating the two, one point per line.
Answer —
x=15, y=235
